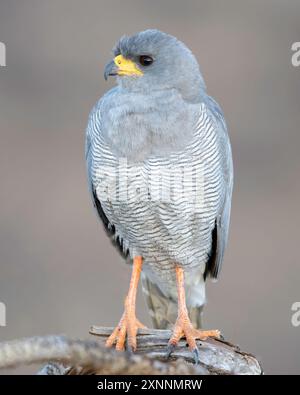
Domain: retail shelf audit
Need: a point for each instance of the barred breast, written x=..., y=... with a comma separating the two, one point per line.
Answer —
x=163, y=208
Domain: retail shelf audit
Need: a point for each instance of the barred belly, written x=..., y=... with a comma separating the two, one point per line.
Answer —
x=164, y=208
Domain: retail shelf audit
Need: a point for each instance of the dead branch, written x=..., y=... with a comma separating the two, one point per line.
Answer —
x=216, y=356
x=66, y=356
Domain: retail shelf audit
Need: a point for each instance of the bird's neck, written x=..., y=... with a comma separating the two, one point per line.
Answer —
x=138, y=126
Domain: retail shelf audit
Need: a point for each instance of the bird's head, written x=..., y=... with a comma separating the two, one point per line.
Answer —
x=151, y=61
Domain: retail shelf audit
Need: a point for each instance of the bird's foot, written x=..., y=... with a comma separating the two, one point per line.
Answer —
x=127, y=327
x=129, y=324
x=184, y=328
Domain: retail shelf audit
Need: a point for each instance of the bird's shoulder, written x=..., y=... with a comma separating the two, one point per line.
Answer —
x=216, y=115
x=103, y=103
x=95, y=118
x=221, y=229
x=215, y=111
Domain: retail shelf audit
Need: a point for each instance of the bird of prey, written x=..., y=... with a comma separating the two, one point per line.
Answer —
x=160, y=173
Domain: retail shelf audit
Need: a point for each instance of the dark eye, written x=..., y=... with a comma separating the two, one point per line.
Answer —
x=145, y=60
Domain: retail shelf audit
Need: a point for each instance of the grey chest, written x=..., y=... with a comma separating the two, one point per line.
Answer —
x=165, y=207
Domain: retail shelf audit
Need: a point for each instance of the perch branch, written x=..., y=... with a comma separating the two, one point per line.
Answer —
x=66, y=356
x=84, y=356
x=216, y=356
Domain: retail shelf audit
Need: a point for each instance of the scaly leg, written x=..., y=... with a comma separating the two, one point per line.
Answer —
x=128, y=324
x=183, y=326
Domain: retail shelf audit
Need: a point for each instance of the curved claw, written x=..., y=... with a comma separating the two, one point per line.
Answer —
x=184, y=328
x=129, y=350
x=196, y=355
x=170, y=350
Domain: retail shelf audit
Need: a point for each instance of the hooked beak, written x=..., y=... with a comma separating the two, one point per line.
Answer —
x=122, y=66
x=110, y=69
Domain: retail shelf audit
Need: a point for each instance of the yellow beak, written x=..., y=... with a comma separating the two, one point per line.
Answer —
x=126, y=66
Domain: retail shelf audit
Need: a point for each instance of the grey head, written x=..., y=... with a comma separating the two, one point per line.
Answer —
x=155, y=107
x=152, y=61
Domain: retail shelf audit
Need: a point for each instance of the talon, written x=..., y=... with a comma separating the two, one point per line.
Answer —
x=170, y=350
x=129, y=349
x=196, y=356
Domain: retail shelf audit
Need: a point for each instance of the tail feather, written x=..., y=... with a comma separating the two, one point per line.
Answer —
x=163, y=310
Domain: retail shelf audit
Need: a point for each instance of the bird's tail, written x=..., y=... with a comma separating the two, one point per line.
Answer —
x=163, y=310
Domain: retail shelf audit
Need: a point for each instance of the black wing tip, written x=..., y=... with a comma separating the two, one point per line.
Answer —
x=110, y=228
x=211, y=268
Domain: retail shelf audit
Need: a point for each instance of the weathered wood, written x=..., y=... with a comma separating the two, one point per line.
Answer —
x=216, y=356
x=73, y=357
x=77, y=357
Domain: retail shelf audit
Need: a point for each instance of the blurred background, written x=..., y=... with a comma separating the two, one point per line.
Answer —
x=59, y=273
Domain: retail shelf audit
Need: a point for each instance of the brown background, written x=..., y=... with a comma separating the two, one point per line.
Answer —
x=58, y=272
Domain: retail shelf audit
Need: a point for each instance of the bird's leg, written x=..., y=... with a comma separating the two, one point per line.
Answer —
x=128, y=324
x=183, y=326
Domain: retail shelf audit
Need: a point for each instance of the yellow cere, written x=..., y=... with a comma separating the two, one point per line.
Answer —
x=126, y=66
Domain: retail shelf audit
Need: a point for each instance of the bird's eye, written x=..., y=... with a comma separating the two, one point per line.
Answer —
x=145, y=60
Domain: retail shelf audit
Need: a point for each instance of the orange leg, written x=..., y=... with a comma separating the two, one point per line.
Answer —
x=128, y=324
x=183, y=326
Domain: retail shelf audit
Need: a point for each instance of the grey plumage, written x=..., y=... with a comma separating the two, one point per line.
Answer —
x=163, y=120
